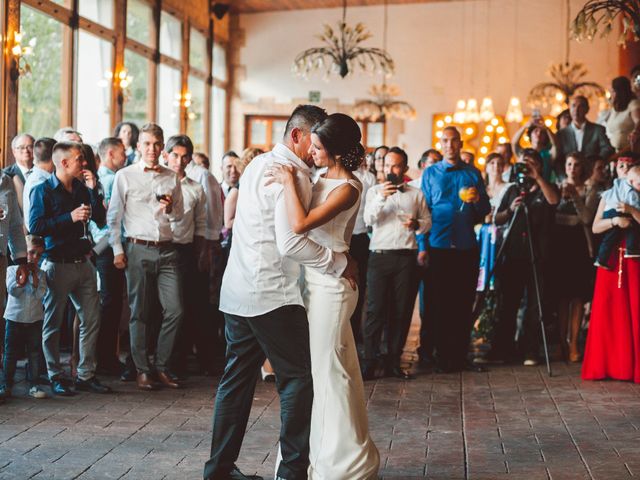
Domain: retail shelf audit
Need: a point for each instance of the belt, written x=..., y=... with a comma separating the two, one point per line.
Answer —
x=149, y=243
x=405, y=251
x=67, y=260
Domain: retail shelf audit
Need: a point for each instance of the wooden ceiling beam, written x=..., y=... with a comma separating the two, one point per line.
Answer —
x=256, y=6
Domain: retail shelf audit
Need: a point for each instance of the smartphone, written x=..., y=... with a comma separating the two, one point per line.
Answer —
x=397, y=181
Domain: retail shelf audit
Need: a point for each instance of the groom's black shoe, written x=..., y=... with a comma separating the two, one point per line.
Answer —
x=235, y=474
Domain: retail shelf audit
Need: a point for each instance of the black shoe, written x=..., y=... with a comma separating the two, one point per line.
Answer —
x=92, y=385
x=129, y=375
x=60, y=389
x=400, y=373
x=235, y=474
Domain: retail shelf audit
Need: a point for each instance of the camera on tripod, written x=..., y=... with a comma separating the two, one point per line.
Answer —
x=522, y=179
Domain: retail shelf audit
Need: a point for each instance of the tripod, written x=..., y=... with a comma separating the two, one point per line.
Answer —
x=522, y=209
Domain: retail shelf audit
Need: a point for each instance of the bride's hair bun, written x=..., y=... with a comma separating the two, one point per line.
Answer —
x=340, y=135
x=353, y=158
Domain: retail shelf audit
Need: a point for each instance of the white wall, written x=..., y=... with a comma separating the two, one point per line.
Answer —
x=440, y=51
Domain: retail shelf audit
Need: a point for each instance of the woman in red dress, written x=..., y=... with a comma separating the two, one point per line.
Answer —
x=613, y=341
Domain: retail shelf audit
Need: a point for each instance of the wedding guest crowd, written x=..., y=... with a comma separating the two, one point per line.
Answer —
x=119, y=256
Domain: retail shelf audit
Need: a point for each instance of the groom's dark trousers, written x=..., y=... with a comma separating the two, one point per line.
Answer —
x=283, y=335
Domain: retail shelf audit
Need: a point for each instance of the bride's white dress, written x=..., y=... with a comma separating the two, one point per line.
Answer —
x=340, y=446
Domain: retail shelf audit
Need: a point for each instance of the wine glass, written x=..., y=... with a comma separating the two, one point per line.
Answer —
x=403, y=216
x=161, y=191
x=85, y=235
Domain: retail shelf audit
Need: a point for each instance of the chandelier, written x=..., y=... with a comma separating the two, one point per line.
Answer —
x=342, y=52
x=567, y=83
x=600, y=15
x=384, y=105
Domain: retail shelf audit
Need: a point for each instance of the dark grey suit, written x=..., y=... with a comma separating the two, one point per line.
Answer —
x=13, y=170
x=594, y=142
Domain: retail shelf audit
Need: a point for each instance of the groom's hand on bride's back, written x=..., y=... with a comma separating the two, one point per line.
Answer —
x=351, y=272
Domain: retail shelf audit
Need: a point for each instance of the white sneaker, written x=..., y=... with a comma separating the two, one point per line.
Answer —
x=37, y=392
x=530, y=362
x=267, y=376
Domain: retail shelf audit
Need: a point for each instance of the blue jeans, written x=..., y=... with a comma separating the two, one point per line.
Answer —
x=17, y=336
x=613, y=236
x=78, y=282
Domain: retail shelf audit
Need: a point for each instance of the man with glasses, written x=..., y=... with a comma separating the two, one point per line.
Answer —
x=22, y=149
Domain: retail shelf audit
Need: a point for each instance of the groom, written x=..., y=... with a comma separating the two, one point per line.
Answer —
x=263, y=308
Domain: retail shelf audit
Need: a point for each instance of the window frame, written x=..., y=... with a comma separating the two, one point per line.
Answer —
x=69, y=16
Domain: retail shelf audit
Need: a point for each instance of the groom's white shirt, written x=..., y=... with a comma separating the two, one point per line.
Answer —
x=264, y=264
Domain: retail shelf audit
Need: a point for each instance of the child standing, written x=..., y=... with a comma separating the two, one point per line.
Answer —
x=24, y=315
x=625, y=191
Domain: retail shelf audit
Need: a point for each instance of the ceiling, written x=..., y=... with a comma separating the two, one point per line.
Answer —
x=252, y=6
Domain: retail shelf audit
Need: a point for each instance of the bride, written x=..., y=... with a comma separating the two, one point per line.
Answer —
x=339, y=443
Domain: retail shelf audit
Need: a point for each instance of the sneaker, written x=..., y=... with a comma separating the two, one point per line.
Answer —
x=602, y=265
x=59, y=388
x=530, y=362
x=5, y=392
x=267, y=376
x=37, y=392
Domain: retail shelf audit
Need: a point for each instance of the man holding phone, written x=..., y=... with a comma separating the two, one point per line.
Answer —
x=396, y=212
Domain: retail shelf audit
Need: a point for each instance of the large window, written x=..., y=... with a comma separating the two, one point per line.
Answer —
x=218, y=124
x=99, y=11
x=198, y=50
x=219, y=62
x=136, y=101
x=86, y=76
x=41, y=92
x=140, y=21
x=93, y=101
x=170, y=36
x=195, y=115
x=169, y=98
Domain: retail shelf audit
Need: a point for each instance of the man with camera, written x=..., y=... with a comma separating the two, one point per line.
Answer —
x=396, y=212
x=515, y=272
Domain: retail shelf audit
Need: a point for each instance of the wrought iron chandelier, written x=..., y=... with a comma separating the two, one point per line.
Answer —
x=342, y=52
x=600, y=15
x=383, y=105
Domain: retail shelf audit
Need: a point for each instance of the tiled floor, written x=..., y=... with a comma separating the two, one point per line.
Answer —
x=513, y=422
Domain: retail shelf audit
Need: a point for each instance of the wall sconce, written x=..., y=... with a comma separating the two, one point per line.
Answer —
x=185, y=101
x=122, y=81
x=19, y=65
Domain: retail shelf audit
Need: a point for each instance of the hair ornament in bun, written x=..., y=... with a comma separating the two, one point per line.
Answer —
x=353, y=158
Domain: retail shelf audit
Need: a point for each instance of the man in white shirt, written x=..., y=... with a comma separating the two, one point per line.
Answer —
x=263, y=307
x=396, y=212
x=230, y=173
x=112, y=279
x=188, y=236
x=145, y=199
x=359, y=248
